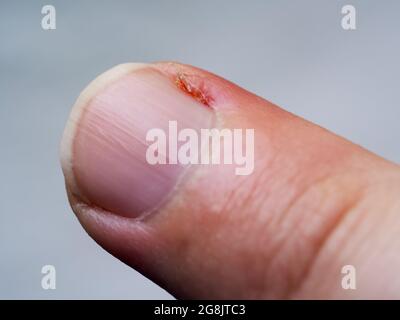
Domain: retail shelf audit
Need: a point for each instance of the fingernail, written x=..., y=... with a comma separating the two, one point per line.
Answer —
x=103, y=151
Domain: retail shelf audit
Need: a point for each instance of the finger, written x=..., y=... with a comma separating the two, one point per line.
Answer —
x=207, y=230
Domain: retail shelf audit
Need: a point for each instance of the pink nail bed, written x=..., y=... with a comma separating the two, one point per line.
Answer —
x=109, y=147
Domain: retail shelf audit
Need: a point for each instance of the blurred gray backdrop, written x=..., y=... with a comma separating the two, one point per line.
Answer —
x=294, y=53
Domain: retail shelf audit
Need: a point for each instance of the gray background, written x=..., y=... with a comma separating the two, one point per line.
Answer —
x=294, y=53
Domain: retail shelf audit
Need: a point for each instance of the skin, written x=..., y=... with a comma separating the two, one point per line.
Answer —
x=315, y=203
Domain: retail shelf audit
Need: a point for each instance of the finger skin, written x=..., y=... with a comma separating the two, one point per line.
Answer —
x=314, y=203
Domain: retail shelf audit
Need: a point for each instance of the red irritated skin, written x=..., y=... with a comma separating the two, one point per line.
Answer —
x=314, y=202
